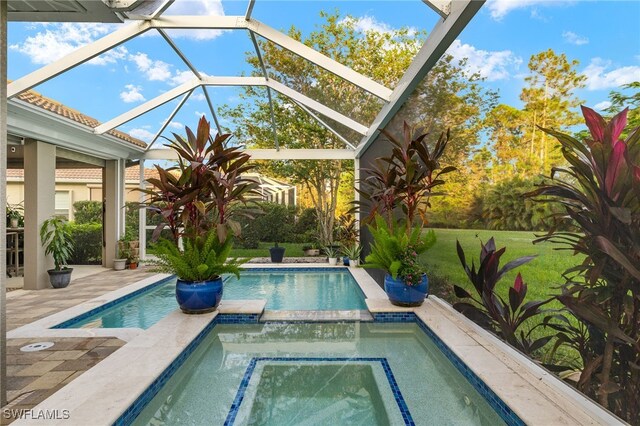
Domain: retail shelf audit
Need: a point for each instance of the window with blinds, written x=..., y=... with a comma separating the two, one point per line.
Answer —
x=63, y=204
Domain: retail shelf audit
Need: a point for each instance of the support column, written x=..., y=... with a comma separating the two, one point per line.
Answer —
x=112, y=210
x=39, y=205
x=356, y=184
x=3, y=198
x=142, y=216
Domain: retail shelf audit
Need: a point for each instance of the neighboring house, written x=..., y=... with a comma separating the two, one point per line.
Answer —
x=75, y=185
x=86, y=185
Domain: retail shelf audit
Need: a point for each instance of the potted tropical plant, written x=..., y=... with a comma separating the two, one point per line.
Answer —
x=56, y=239
x=120, y=263
x=397, y=253
x=311, y=250
x=14, y=215
x=396, y=195
x=133, y=257
x=197, y=200
x=353, y=253
x=133, y=260
x=332, y=255
x=199, y=267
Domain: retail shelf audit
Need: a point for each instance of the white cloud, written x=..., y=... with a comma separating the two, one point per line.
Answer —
x=492, y=65
x=181, y=77
x=176, y=125
x=600, y=74
x=155, y=70
x=197, y=96
x=601, y=106
x=132, y=94
x=196, y=8
x=110, y=57
x=573, y=38
x=501, y=8
x=368, y=23
x=142, y=134
x=58, y=40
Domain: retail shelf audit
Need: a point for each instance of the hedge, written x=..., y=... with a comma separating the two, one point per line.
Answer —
x=87, y=212
x=91, y=212
x=87, y=243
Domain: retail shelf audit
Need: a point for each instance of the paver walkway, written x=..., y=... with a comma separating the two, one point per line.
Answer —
x=34, y=376
x=31, y=305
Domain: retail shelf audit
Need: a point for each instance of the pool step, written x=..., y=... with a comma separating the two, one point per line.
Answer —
x=311, y=316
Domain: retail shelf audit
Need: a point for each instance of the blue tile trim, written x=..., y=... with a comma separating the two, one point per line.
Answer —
x=238, y=318
x=394, y=317
x=503, y=410
x=340, y=269
x=138, y=405
x=70, y=323
x=235, y=406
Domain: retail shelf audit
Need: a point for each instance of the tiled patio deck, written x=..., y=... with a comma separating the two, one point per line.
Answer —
x=34, y=376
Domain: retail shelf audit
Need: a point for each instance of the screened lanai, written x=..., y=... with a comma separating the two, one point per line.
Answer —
x=202, y=77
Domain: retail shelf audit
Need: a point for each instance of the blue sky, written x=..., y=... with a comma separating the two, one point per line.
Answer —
x=602, y=35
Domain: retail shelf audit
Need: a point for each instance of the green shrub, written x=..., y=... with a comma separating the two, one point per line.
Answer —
x=274, y=224
x=87, y=243
x=505, y=208
x=87, y=212
x=307, y=223
x=132, y=218
x=277, y=222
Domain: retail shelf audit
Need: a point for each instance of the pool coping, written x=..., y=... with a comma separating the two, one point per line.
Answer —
x=535, y=396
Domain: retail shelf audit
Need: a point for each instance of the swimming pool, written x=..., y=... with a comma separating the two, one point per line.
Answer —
x=284, y=289
x=322, y=373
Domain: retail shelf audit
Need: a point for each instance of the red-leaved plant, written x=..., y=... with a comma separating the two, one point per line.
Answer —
x=489, y=310
x=202, y=192
x=600, y=194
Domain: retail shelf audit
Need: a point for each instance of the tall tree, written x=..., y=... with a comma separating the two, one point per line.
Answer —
x=504, y=126
x=627, y=96
x=550, y=102
x=382, y=56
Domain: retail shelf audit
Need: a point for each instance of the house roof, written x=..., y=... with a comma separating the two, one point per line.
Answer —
x=131, y=174
x=36, y=99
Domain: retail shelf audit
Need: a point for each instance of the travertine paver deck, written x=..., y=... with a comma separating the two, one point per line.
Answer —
x=29, y=306
x=34, y=376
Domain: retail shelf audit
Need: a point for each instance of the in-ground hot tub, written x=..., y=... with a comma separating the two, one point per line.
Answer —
x=318, y=373
x=316, y=289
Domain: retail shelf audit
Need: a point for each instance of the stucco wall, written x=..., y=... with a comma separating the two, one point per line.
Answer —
x=78, y=192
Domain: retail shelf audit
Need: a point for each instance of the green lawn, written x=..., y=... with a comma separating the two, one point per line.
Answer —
x=541, y=274
x=291, y=250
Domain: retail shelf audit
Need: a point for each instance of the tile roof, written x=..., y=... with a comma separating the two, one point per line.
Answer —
x=36, y=99
x=86, y=175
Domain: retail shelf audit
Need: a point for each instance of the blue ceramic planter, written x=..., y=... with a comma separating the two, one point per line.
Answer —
x=199, y=297
x=401, y=294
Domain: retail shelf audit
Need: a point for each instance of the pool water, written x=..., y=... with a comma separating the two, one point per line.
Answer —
x=317, y=374
x=323, y=289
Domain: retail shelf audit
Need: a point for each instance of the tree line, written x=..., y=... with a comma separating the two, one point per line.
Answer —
x=498, y=149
